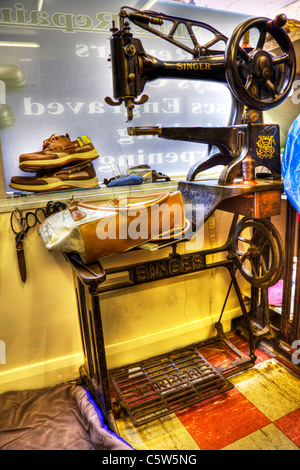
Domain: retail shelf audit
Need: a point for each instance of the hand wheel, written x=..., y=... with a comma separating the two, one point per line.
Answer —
x=259, y=79
x=257, y=245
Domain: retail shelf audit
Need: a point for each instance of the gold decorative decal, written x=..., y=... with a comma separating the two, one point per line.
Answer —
x=193, y=66
x=266, y=146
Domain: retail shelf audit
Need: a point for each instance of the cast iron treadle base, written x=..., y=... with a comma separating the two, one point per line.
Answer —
x=162, y=385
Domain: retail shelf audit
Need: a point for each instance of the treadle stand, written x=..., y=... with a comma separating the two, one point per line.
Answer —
x=161, y=385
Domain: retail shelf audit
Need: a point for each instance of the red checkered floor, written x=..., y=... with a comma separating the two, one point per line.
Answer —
x=262, y=411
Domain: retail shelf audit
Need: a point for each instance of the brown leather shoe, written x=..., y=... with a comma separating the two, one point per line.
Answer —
x=59, y=151
x=76, y=177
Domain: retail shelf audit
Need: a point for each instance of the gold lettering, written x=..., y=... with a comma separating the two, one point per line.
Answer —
x=174, y=266
x=185, y=264
x=142, y=273
x=152, y=271
x=162, y=269
x=193, y=66
x=197, y=262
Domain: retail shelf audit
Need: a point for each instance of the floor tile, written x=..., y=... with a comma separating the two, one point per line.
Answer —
x=262, y=412
x=272, y=388
x=166, y=433
x=290, y=425
x=219, y=354
x=266, y=438
x=220, y=421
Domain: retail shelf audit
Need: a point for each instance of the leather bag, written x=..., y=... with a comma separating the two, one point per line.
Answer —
x=95, y=231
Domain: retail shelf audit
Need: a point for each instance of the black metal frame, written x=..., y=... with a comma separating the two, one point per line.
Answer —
x=90, y=283
x=164, y=384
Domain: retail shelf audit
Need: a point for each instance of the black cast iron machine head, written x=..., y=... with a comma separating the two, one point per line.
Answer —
x=257, y=79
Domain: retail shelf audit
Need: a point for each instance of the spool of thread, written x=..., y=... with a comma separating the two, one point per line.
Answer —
x=248, y=168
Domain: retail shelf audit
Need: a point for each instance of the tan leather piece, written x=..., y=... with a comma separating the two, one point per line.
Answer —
x=128, y=201
x=76, y=213
x=131, y=226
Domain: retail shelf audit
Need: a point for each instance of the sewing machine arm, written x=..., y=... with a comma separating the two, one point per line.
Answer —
x=258, y=79
x=260, y=141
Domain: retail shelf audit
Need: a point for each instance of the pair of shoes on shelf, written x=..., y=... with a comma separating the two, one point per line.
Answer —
x=61, y=164
x=76, y=177
x=13, y=78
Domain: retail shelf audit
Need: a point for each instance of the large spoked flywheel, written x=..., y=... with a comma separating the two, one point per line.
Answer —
x=258, y=78
x=259, y=251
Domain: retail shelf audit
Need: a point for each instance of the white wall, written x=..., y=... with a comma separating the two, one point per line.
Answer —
x=39, y=323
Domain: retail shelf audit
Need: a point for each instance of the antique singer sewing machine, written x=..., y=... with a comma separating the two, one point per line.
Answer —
x=258, y=80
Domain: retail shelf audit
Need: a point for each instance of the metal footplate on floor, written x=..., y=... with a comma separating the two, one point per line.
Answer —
x=167, y=383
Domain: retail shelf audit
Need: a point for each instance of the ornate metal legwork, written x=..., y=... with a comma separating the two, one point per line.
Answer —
x=259, y=251
x=165, y=384
x=264, y=250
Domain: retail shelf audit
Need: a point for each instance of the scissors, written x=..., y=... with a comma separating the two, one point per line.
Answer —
x=20, y=224
x=53, y=207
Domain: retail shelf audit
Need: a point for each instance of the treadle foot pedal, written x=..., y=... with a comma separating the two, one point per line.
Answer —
x=167, y=383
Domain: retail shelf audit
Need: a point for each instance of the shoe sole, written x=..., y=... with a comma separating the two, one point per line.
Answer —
x=29, y=166
x=79, y=184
